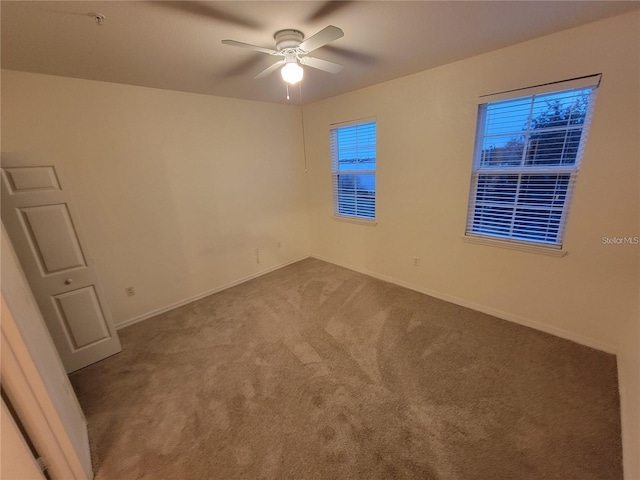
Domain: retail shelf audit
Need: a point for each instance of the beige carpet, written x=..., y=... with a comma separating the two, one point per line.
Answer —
x=318, y=372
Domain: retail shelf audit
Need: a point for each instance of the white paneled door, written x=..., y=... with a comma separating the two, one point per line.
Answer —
x=38, y=216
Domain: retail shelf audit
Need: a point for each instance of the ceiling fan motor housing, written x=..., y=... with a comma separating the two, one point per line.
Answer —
x=291, y=45
x=289, y=38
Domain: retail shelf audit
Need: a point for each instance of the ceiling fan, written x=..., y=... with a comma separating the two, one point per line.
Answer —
x=291, y=45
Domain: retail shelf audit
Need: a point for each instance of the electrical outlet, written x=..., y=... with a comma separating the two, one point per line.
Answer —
x=130, y=291
x=416, y=262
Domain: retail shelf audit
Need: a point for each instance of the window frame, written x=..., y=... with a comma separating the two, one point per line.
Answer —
x=546, y=172
x=336, y=173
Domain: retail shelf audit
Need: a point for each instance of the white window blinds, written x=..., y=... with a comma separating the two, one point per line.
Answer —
x=527, y=155
x=353, y=166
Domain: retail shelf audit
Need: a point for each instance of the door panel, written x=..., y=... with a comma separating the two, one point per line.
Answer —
x=39, y=217
x=81, y=313
x=32, y=178
x=53, y=238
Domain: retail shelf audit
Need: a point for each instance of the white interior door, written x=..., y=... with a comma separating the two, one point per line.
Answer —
x=37, y=214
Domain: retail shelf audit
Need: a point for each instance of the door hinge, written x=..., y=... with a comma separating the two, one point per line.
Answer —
x=42, y=463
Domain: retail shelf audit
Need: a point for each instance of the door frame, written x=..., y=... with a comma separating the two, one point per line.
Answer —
x=26, y=391
x=17, y=460
x=22, y=382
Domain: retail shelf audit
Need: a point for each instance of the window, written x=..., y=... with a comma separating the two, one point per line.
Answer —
x=527, y=154
x=353, y=165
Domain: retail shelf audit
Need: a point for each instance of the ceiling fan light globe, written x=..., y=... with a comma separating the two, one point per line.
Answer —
x=292, y=73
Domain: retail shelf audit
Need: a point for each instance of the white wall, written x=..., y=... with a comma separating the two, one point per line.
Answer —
x=175, y=190
x=426, y=130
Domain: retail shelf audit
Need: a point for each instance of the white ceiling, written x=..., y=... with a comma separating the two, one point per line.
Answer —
x=177, y=45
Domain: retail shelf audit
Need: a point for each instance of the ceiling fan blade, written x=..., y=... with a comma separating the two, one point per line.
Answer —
x=320, y=64
x=234, y=43
x=360, y=57
x=320, y=39
x=327, y=8
x=269, y=70
x=243, y=67
x=207, y=10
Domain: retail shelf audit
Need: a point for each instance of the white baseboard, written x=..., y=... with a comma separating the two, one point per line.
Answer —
x=181, y=303
x=527, y=322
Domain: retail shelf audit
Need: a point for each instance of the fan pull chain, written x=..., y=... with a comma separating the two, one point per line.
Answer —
x=287, y=91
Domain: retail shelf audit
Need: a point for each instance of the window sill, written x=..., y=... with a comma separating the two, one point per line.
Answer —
x=357, y=221
x=523, y=247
